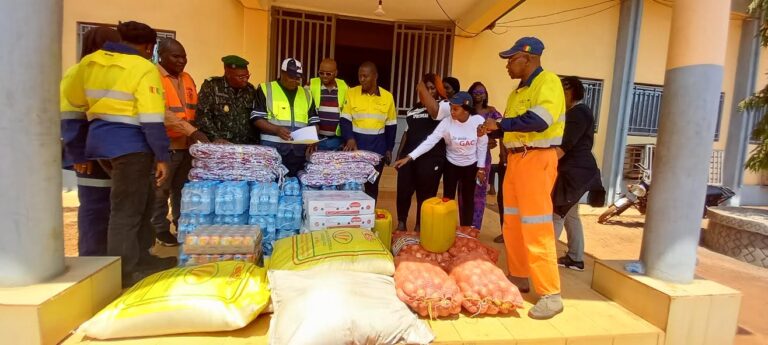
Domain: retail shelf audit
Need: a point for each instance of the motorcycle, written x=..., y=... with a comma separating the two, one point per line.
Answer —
x=637, y=196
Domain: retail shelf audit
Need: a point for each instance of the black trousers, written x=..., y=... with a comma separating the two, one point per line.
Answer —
x=372, y=189
x=294, y=163
x=130, y=234
x=178, y=169
x=464, y=178
x=421, y=176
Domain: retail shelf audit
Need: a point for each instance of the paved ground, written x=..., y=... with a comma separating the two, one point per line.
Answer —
x=620, y=240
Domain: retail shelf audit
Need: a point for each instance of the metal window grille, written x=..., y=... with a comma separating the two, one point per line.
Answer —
x=82, y=28
x=308, y=37
x=593, y=95
x=644, y=154
x=646, y=108
x=418, y=49
x=716, y=167
x=755, y=116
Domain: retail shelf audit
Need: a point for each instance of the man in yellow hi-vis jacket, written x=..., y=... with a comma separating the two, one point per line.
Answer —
x=533, y=126
x=122, y=95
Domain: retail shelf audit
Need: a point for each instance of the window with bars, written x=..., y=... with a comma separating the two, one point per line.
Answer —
x=754, y=118
x=593, y=96
x=646, y=108
x=82, y=28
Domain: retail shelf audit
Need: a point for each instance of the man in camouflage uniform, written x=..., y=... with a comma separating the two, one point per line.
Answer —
x=225, y=104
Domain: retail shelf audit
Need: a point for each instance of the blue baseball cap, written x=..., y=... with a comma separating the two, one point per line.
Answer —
x=530, y=45
x=463, y=99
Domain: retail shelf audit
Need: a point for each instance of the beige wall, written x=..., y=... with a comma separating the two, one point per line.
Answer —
x=207, y=29
x=586, y=51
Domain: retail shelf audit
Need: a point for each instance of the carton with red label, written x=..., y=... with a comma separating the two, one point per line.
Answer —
x=365, y=221
x=338, y=203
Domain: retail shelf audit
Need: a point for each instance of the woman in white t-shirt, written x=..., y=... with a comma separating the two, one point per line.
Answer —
x=465, y=152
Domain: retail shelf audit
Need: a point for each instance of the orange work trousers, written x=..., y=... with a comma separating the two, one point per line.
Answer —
x=529, y=234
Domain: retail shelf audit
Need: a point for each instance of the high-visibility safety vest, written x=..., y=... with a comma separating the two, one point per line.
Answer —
x=119, y=88
x=185, y=111
x=280, y=112
x=341, y=95
x=544, y=97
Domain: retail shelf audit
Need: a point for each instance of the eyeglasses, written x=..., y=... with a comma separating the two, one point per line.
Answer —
x=325, y=74
x=478, y=92
x=242, y=77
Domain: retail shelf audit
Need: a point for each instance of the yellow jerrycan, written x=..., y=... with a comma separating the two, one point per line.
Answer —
x=439, y=218
x=383, y=227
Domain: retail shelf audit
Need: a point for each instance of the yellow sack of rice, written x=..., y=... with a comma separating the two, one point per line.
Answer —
x=338, y=249
x=218, y=296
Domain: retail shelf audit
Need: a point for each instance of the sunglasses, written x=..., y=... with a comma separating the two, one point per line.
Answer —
x=478, y=92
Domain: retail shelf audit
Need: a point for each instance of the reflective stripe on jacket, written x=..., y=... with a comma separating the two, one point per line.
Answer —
x=185, y=110
x=544, y=97
x=280, y=112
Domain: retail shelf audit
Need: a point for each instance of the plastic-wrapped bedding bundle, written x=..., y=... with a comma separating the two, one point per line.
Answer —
x=331, y=178
x=234, y=162
x=259, y=174
x=347, y=169
x=331, y=157
x=258, y=153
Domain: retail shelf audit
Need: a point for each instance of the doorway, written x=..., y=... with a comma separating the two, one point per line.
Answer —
x=359, y=41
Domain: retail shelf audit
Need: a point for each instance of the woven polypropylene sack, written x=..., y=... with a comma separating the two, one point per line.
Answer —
x=218, y=296
x=337, y=307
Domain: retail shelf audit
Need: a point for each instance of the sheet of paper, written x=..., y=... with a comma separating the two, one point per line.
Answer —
x=306, y=135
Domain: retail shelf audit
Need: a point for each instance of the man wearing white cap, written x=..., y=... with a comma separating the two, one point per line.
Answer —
x=282, y=107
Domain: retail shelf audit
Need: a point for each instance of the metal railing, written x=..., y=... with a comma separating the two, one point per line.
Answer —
x=418, y=49
x=593, y=96
x=755, y=116
x=308, y=37
x=646, y=108
x=82, y=28
x=644, y=154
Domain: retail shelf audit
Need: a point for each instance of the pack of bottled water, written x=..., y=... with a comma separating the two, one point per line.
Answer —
x=289, y=213
x=198, y=197
x=232, y=198
x=195, y=219
x=202, y=259
x=281, y=234
x=265, y=198
x=353, y=186
x=291, y=187
x=268, y=232
x=231, y=219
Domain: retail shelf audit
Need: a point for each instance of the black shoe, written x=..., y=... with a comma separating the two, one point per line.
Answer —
x=167, y=239
x=566, y=262
x=499, y=239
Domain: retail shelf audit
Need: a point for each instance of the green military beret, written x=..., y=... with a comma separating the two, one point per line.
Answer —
x=234, y=61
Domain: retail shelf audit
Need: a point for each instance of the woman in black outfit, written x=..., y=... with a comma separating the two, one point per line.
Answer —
x=423, y=175
x=577, y=172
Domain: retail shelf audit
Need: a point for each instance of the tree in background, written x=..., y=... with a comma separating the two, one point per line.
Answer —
x=758, y=161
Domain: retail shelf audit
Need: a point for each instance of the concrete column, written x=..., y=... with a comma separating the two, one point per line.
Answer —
x=698, y=38
x=739, y=125
x=627, y=43
x=31, y=237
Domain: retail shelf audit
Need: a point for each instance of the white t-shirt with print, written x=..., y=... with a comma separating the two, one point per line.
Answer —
x=463, y=147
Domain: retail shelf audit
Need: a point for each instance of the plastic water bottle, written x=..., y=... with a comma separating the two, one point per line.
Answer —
x=197, y=197
x=232, y=198
x=291, y=187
